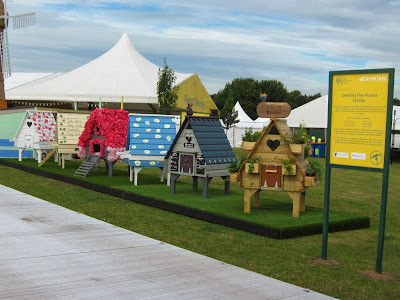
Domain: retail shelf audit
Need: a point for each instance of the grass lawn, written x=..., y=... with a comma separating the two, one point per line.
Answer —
x=289, y=260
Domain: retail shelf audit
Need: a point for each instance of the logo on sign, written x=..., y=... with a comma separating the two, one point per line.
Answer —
x=376, y=157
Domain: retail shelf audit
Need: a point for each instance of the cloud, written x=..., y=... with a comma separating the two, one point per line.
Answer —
x=296, y=42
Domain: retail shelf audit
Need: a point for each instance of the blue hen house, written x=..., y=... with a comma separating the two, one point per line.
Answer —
x=201, y=150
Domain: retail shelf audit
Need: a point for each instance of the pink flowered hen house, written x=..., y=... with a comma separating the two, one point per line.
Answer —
x=105, y=134
x=36, y=132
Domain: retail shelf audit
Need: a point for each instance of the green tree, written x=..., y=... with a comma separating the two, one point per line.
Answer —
x=275, y=90
x=247, y=92
x=396, y=101
x=296, y=98
x=240, y=89
x=166, y=92
x=228, y=114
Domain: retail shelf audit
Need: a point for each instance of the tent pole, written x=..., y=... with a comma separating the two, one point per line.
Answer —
x=122, y=102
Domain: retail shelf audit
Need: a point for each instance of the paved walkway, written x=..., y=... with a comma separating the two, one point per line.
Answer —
x=50, y=252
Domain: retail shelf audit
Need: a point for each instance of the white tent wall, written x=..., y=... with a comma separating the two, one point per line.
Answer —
x=314, y=114
x=395, y=140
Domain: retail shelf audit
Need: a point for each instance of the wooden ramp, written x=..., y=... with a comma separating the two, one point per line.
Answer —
x=90, y=163
x=50, y=154
x=50, y=252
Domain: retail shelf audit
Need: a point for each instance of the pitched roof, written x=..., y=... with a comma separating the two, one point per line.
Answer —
x=121, y=71
x=211, y=138
x=112, y=124
x=279, y=126
x=43, y=122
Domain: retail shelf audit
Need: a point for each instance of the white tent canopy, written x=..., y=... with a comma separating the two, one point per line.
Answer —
x=314, y=114
x=242, y=116
x=235, y=133
x=122, y=71
x=19, y=78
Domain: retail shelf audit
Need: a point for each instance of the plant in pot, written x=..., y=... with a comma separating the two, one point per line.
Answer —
x=288, y=166
x=234, y=168
x=298, y=141
x=249, y=139
x=314, y=172
x=252, y=165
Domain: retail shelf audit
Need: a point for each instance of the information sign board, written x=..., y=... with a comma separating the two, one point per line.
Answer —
x=358, y=119
x=358, y=134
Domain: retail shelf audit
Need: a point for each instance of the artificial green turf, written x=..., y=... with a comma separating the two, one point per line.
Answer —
x=274, y=212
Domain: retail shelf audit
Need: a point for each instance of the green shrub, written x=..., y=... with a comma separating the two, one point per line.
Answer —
x=250, y=136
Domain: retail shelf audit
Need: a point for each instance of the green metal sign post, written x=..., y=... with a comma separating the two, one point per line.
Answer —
x=358, y=135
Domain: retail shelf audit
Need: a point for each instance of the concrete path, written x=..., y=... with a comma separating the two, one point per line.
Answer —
x=50, y=252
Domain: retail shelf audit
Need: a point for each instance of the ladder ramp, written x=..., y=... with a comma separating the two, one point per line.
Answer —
x=90, y=163
x=50, y=154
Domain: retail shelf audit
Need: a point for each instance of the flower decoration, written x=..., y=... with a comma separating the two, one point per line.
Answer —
x=112, y=125
x=45, y=125
x=112, y=153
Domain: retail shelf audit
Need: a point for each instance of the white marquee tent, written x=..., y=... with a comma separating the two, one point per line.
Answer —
x=121, y=71
x=396, y=126
x=314, y=114
x=235, y=133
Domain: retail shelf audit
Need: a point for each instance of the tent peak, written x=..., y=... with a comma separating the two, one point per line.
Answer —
x=124, y=37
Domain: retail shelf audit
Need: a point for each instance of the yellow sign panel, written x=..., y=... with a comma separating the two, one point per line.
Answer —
x=358, y=119
x=183, y=116
x=192, y=91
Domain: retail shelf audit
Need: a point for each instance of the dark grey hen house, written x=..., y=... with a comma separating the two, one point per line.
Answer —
x=201, y=150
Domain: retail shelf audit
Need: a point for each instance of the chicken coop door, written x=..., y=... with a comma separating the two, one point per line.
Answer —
x=271, y=176
x=186, y=165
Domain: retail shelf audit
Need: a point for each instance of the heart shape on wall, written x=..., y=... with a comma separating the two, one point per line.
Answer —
x=29, y=123
x=273, y=144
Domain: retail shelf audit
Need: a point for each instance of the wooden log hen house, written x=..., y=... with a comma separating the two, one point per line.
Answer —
x=275, y=166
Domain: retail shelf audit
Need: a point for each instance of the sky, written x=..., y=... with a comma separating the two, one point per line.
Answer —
x=294, y=41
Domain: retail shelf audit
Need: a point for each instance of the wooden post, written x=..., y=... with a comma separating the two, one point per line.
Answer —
x=174, y=177
x=110, y=167
x=257, y=198
x=247, y=199
x=162, y=174
x=227, y=187
x=194, y=185
x=136, y=170
x=303, y=201
x=296, y=196
x=206, y=181
x=20, y=150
